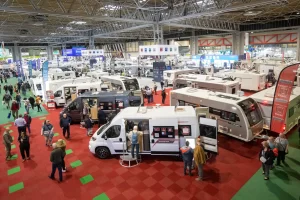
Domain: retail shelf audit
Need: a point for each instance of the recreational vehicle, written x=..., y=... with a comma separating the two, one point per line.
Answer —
x=67, y=93
x=265, y=101
x=109, y=102
x=36, y=85
x=239, y=117
x=96, y=75
x=163, y=131
x=171, y=75
x=208, y=83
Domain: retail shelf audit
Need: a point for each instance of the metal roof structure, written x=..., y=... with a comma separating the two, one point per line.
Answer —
x=109, y=21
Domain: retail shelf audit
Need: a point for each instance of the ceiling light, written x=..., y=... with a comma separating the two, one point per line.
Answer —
x=251, y=32
x=38, y=24
x=199, y=2
x=52, y=33
x=252, y=13
x=78, y=22
x=298, y=13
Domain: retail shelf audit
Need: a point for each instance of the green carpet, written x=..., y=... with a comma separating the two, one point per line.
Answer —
x=4, y=111
x=284, y=181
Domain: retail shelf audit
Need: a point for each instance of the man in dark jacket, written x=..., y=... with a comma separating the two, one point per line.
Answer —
x=7, y=98
x=65, y=123
x=27, y=119
x=88, y=123
x=187, y=156
x=163, y=96
x=10, y=89
x=56, y=157
x=31, y=101
x=18, y=99
x=101, y=117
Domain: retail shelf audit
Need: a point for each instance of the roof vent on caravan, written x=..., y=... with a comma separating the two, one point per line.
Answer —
x=240, y=93
x=181, y=109
x=191, y=90
x=227, y=97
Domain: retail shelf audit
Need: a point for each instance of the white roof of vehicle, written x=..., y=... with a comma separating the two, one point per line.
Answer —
x=206, y=94
x=82, y=84
x=243, y=72
x=116, y=78
x=180, y=70
x=154, y=112
x=268, y=94
x=208, y=79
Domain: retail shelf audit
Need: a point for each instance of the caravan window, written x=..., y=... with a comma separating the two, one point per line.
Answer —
x=291, y=111
x=116, y=86
x=38, y=86
x=74, y=105
x=106, y=105
x=251, y=111
x=184, y=130
x=113, y=131
x=131, y=84
x=58, y=93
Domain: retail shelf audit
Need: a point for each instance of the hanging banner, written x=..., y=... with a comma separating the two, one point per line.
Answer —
x=33, y=64
x=283, y=90
x=30, y=68
x=158, y=50
x=45, y=71
x=92, y=52
x=22, y=72
x=18, y=63
x=38, y=64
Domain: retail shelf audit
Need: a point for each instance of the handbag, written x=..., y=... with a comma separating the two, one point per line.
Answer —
x=46, y=132
x=9, y=115
x=263, y=159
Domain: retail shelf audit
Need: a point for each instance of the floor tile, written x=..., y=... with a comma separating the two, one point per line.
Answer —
x=11, y=131
x=16, y=187
x=69, y=151
x=56, y=134
x=86, y=179
x=42, y=118
x=13, y=146
x=102, y=196
x=14, y=157
x=76, y=163
x=13, y=170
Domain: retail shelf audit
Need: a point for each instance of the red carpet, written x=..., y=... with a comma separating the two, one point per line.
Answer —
x=157, y=99
x=156, y=178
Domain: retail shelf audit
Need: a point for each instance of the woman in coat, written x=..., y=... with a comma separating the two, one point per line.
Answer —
x=47, y=132
x=199, y=159
x=24, y=146
x=266, y=156
x=62, y=144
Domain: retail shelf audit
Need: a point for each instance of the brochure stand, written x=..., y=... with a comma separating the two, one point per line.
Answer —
x=126, y=159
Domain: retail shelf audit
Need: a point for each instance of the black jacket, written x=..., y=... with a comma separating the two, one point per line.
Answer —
x=269, y=156
x=65, y=122
x=31, y=100
x=101, y=115
x=25, y=141
x=57, y=155
x=88, y=123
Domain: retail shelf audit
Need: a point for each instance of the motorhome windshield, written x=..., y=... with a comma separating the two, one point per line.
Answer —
x=131, y=84
x=103, y=128
x=38, y=86
x=251, y=111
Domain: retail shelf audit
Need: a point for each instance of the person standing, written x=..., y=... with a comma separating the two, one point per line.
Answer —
x=187, y=157
x=28, y=119
x=23, y=89
x=38, y=103
x=88, y=123
x=21, y=124
x=0, y=89
x=149, y=93
x=47, y=132
x=1, y=78
x=5, y=88
x=27, y=105
x=18, y=99
x=31, y=101
x=101, y=117
x=5, y=78
x=19, y=86
x=7, y=141
x=162, y=84
x=7, y=98
x=163, y=96
x=15, y=109
x=199, y=159
x=85, y=111
x=65, y=123
x=24, y=146
x=56, y=158
x=62, y=144
x=135, y=143
x=266, y=156
x=282, y=145
x=155, y=88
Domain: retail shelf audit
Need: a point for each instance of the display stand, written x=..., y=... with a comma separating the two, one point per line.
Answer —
x=126, y=159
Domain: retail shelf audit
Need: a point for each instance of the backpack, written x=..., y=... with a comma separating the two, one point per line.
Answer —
x=7, y=97
x=134, y=138
x=275, y=151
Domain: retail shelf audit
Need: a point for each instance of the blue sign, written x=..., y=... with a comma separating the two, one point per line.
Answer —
x=217, y=57
x=33, y=64
x=66, y=60
x=30, y=68
x=38, y=64
x=45, y=71
x=73, y=52
x=18, y=63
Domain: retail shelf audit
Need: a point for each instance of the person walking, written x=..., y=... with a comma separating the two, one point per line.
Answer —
x=0, y=89
x=7, y=98
x=27, y=105
x=1, y=78
x=19, y=86
x=47, y=132
x=31, y=101
x=21, y=124
x=38, y=103
x=101, y=117
x=56, y=158
x=149, y=93
x=5, y=78
x=266, y=156
x=23, y=89
x=5, y=88
x=162, y=84
x=10, y=89
x=65, y=123
x=85, y=111
x=18, y=99
x=155, y=88
x=282, y=145
x=15, y=109
x=199, y=159
x=163, y=96
x=24, y=146
x=7, y=141
x=28, y=119
x=88, y=124
x=187, y=157
x=62, y=144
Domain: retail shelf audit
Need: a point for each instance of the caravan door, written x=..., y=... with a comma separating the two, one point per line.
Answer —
x=209, y=133
x=164, y=138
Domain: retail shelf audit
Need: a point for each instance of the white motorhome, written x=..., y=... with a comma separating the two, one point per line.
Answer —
x=208, y=83
x=36, y=85
x=239, y=117
x=122, y=83
x=164, y=130
x=253, y=81
x=171, y=75
x=54, y=85
x=66, y=93
x=96, y=75
x=265, y=101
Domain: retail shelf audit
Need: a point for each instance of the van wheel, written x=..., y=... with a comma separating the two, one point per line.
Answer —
x=102, y=152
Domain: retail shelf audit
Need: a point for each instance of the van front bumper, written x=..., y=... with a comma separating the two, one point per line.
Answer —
x=91, y=147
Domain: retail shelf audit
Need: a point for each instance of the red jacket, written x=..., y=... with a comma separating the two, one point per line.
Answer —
x=15, y=106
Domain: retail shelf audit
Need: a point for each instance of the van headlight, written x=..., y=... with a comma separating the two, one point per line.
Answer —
x=93, y=138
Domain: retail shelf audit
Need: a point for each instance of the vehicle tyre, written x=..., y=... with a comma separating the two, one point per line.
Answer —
x=102, y=152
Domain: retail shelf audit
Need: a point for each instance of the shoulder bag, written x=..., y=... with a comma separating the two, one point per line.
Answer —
x=46, y=132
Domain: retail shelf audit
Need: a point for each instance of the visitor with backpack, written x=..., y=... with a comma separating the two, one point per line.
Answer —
x=7, y=98
x=47, y=132
x=5, y=88
x=266, y=156
x=187, y=157
x=18, y=99
x=135, y=141
x=31, y=101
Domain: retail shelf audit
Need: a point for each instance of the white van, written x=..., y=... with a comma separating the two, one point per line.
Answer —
x=96, y=75
x=36, y=85
x=171, y=75
x=164, y=130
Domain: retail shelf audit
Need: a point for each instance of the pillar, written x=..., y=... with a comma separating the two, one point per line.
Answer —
x=298, y=45
x=16, y=53
x=91, y=42
x=193, y=44
x=158, y=34
x=50, y=53
x=238, y=40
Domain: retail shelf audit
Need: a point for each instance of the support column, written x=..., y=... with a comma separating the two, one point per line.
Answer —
x=91, y=42
x=50, y=53
x=193, y=44
x=298, y=45
x=238, y=40
x=16, y=53
x=158, y=34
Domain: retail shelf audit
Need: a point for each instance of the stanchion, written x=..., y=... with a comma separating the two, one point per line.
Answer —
x=128, y=158
x=50, y=105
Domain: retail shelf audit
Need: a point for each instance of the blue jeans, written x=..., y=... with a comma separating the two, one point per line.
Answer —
x=27, y=109
x=28, y=128
x=19, y=102
x=200, y=171
x=137, y=146
x=59, y=167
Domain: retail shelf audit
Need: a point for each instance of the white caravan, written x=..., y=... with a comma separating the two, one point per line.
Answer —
x=249, y=80
x=122, y=83
x=171, y=75
x=265, y=101
x=66, y=93
x=208, y=83
x=96, y=75
x=239, y=117
x=163, y=131
x=36, y=85
x=54, y=85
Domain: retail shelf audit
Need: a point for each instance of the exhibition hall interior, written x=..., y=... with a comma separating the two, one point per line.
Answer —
x=150, y=99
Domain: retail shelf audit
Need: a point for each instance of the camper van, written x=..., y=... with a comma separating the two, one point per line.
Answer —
x=171, y=75
x=36, y=85
x=109, y=102
x=164, y=130
x=265, y=101
x=249, y=80
x=122, y=83
x=67, y=93
x=96, y=75
x=239, y=117
x=208, y=83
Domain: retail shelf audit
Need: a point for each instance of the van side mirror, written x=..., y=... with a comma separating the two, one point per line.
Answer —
x=105, y=137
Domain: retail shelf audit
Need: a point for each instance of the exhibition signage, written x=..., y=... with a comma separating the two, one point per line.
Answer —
x=158, y=71
x=45, y=71
x=38, y=64
x=18, y=68
x=283, y=90
x=157, y=50
x=30, y=68
x=92, y=52
x=33, y=64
